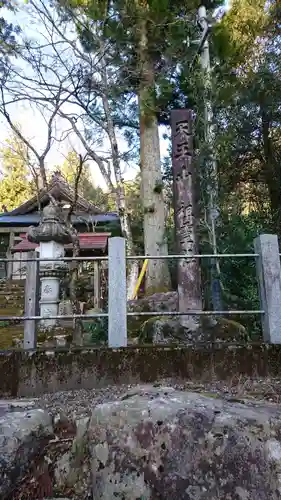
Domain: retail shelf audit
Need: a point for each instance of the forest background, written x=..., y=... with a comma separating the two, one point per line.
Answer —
x=104, y=77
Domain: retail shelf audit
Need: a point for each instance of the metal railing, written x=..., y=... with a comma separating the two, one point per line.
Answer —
x=117, y=301
x=136, y=258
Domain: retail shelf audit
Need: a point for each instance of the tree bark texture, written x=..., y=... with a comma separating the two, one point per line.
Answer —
x=121, y=205
x=272, y=172
x=77, y=337
x=155, y=242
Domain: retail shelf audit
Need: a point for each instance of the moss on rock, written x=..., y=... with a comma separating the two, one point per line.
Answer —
x=156, y=290
x=157, y=302
x=135, y=323
x=224, y=329
x=209, y=442
x=161, y=329
x=168, y=330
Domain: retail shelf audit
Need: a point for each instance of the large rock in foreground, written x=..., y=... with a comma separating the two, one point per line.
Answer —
x=24, y=432
x=169, y=444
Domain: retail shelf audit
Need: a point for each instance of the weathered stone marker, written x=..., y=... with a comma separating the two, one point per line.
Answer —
x=185, y=208
x=269, y=280
x=30, y=301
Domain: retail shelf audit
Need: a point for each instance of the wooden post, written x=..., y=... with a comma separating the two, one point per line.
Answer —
x=186, y=215
x=9, y=255
x=117, y=293
x=96, y=284
x=31, y=302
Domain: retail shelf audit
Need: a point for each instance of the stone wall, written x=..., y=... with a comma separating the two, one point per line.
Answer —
x=33, y=373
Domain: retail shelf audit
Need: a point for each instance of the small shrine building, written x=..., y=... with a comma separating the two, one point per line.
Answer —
x=93, y=226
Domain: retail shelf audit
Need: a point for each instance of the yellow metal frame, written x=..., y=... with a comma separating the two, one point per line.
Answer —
x=142, y=273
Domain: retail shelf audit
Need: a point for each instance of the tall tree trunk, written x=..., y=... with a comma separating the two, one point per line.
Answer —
x=272, y=173
x=118, y=190
x=77, y=336
x=133, y=266
x=155, y=243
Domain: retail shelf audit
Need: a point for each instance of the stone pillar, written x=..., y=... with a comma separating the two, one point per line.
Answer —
x=10, y=255
x=31, y=301
x=96, y=284
x=186, y=215
x=117, y=293
x=269, y=281
x=52, y=234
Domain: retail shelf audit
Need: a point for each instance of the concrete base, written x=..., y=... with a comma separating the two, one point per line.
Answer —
x=34, y=373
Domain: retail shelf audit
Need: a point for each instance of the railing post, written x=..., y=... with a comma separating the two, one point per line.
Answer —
x=269, y=280
x=30, y=302
x=96, y=283
x=117, y=297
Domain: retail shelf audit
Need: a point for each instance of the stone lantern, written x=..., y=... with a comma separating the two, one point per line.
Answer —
x=51, y=235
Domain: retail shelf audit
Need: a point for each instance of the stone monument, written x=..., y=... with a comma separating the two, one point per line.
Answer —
x=186, y=216
x=51, y=235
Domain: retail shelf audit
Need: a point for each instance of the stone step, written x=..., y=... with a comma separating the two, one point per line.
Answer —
x=10, y=312
x=16, y=282
x=9, y=334
x=11, y=289
x=16, y=293
x=10, y=285
x=9, y=303
x=15, y=308
x=7, y=291
x=11, y=293
x=11, y=296
x=4, y=299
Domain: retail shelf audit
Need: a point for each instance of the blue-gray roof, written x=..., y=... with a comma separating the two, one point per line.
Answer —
x=34, y=218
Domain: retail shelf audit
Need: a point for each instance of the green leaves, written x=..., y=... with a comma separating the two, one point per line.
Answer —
x=17, y=183
x=86, y=187
x=168, y=25
x=235, y=35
